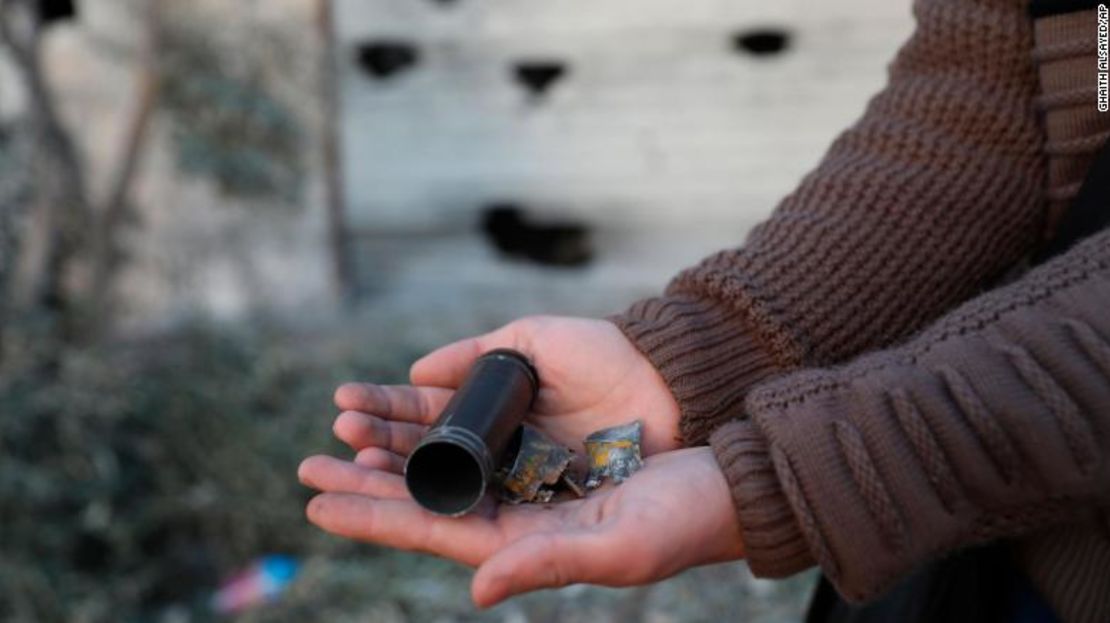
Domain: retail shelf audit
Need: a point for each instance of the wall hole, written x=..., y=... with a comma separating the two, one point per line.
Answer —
x=538, y=76
x=762, y=41
x=509, y=229
x=51, y=11
x=385, y=58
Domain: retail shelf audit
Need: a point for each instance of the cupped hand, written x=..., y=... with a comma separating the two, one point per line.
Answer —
x=591, y=377
x=673, y=514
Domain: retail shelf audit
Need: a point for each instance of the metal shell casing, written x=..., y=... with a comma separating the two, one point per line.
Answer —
x=451, y=467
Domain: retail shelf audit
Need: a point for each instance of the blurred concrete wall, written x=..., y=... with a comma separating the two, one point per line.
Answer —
x=662, y=134
x=659, y=118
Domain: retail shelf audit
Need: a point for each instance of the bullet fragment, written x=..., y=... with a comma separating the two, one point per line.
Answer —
x=614, y=453
x=538, y=467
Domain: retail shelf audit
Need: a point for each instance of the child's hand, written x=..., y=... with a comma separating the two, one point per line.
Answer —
x=591, y=377
x=673, y=514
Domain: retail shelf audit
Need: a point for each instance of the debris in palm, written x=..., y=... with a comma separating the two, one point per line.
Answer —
x=614, y=453
x=538, y=470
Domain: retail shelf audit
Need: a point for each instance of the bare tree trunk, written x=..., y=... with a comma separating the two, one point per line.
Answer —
x=60, y=213
x=339, y=237
x=62, y=225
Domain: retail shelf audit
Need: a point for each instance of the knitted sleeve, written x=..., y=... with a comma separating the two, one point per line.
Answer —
x=991, y=423
x=932, y=193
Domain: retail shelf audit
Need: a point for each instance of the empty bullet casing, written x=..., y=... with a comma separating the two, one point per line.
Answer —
x=451, y=467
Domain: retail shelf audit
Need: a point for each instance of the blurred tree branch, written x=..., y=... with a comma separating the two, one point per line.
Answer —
x=231, y=119
x=63, y=224
x=113, y=212
x=60, y=211
x=230, y=122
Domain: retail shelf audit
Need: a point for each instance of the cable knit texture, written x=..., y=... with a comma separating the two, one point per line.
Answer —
x=994, y=422
x=930, y=196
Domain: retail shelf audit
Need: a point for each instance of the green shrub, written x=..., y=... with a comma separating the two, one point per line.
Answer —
x=137, y=475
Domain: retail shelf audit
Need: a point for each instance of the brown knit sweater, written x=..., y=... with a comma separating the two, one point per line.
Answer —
x=994, y=422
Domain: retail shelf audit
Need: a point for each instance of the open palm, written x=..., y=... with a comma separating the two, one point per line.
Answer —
x=673, y=514
x=591, y=377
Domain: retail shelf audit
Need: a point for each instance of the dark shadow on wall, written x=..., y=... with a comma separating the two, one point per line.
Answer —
x=56, y=10
x=385, y=58
x=513, y=233
x=537, y=77
x=762, y=41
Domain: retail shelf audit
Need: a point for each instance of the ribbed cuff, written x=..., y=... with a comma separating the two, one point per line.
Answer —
x=708, y=355
x=773, y=542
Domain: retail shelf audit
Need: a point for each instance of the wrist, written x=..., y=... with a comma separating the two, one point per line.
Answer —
x=707, y=354
x=718, y=537
x=663, y=420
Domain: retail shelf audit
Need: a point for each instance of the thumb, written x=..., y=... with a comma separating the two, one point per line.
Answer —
x=548, y=560
x=448, y=365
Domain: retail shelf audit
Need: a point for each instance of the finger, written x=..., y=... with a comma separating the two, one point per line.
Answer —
x=379, y=458
x=400, y=403
x=402, y=524
x=549, y=560
x=447, y=366
x=330, y=474
x=361, y=430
